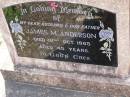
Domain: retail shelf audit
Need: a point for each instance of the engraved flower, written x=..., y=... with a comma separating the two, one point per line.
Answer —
x=105, y=34
x=53, y=5
x=15, y=26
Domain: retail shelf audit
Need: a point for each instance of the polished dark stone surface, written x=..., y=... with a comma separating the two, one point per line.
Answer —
x=63, y=32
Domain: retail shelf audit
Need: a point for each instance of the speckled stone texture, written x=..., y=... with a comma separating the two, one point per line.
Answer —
x=102, y=80
x=120, y=7
x=117, y=89
x=17, y=89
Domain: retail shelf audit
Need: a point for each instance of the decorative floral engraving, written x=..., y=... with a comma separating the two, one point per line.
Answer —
x=16, y=27
x=18, y=32
x=107, y=36
x=53, y=5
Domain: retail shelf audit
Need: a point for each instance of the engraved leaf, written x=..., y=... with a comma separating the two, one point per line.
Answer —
x=104, y=52
x=101, y=24
x=102, y=48
x=105, y=45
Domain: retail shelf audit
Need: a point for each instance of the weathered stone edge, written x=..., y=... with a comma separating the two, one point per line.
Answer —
x=68, y=83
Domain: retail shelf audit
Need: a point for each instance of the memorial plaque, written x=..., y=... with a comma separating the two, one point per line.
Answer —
x=64, y=32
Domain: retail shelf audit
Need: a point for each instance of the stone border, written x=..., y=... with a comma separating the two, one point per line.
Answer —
x=114, y=89
x=121, y=8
